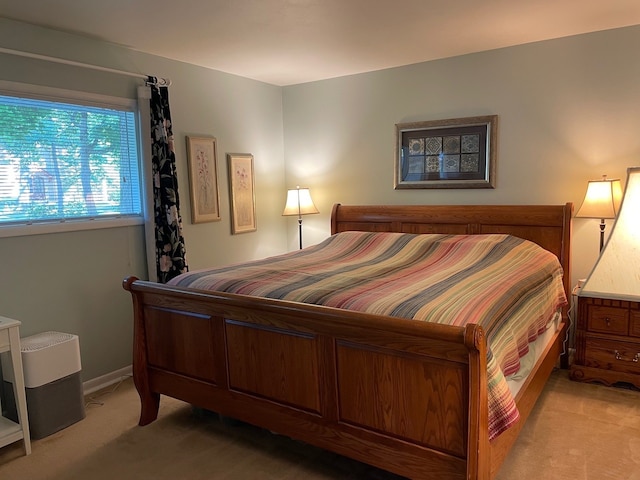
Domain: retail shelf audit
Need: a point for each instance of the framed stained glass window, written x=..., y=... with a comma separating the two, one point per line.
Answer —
x=452, y=153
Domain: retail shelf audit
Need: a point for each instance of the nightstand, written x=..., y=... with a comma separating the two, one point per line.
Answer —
x=607, y=342
x=11, y=431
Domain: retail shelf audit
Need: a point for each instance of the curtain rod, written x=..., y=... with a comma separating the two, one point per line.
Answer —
x=159, y=81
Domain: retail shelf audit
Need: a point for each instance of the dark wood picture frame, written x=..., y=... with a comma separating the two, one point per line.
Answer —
x=452, y=153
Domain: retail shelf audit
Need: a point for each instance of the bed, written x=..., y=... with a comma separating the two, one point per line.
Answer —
x=407, y=396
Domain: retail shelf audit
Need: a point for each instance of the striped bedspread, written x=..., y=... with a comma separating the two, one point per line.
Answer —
x=512, y=287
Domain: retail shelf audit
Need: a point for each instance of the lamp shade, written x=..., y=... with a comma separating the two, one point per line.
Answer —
x=602, y=199
x=299, y=202
x=616, y=273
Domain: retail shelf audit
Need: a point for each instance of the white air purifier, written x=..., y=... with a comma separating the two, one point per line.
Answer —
x=52, y=370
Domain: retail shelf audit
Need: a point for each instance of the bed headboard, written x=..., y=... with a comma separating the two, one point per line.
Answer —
x=547, y=225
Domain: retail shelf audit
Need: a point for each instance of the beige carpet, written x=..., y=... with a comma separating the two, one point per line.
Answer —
x=577, y=431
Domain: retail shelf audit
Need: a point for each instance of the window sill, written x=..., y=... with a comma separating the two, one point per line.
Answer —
x=67, y=226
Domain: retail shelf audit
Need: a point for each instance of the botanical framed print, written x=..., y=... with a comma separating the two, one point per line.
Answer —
x=452, y=153
x=242, y=191
x=203, y=179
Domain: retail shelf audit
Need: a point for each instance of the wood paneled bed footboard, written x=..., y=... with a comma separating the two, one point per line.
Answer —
x=409, y=397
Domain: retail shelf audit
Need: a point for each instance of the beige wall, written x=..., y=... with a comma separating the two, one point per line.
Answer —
x=568, y=112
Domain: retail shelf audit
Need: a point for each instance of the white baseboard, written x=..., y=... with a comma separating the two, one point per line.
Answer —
x=103, y=381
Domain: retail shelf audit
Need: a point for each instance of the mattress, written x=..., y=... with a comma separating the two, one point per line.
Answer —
x=536, y=349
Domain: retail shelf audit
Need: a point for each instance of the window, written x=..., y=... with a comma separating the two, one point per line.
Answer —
x=67, y=161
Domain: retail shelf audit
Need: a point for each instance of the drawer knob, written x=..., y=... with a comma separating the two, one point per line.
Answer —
x=608, y=321
x=635, y=359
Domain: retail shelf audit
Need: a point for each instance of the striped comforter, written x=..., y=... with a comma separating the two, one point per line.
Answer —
x=512, y=287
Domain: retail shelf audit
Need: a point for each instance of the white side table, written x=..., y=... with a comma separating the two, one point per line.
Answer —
x=11, y=431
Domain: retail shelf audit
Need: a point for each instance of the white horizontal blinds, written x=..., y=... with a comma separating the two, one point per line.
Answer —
x=131, y=176
x=62, y=161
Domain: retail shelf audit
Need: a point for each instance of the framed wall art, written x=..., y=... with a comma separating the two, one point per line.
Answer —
x=452, y=153
x=203, y=179
x=242, y=191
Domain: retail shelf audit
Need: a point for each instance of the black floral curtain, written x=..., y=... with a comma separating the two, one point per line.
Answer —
x=170, y=249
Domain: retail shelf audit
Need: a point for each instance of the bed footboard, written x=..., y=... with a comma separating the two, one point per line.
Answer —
x=404, y=396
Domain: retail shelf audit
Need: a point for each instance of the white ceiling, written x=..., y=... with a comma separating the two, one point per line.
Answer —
x=285, y=42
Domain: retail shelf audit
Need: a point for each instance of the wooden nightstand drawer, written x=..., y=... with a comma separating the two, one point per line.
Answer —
x=634, y=326
x=613, y=355
x=610, y=320
x=607, y=341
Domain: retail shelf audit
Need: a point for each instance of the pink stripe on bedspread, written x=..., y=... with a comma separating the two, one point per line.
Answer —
x=512, y=287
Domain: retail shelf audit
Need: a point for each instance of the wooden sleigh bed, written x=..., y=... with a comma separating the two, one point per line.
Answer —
x=321, y=375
